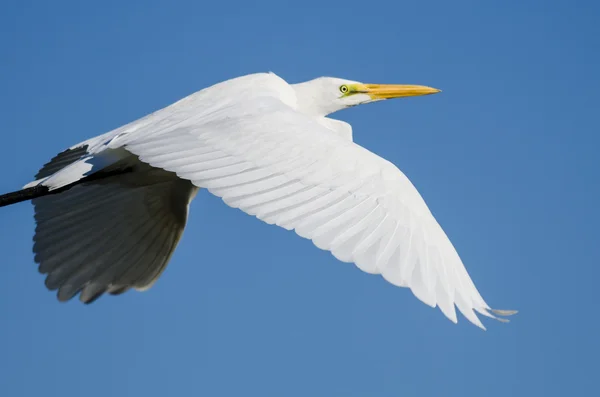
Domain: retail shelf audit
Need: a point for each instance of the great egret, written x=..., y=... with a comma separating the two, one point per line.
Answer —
x=111, y=210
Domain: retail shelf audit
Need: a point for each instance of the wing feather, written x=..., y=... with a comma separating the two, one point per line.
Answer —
x=112, y=234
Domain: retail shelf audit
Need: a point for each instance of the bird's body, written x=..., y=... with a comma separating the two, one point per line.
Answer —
x=111, y=210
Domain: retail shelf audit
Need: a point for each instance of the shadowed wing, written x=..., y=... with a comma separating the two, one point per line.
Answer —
x=110, y=234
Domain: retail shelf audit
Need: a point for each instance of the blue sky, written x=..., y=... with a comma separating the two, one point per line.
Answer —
x=505, y=157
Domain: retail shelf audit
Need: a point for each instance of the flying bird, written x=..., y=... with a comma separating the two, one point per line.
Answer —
x=111, y=210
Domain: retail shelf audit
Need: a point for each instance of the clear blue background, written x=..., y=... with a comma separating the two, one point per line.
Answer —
x=506, y=157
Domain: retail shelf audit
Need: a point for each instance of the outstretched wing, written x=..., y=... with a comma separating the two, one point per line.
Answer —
x=285, y=168
x=111, y=234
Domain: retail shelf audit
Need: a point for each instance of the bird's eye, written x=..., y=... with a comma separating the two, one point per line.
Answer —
x=344, y=89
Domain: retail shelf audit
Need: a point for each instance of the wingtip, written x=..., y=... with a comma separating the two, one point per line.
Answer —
x=504, y=312
x=498, y=312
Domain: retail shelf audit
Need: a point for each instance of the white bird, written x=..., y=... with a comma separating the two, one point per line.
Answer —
x=110, y=211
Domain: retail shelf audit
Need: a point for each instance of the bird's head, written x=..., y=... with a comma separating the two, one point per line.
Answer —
x=326, y=95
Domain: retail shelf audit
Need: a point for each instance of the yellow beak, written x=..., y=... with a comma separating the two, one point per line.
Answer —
x=388, y=91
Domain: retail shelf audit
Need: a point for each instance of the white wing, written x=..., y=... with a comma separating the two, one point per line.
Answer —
x=263, y=157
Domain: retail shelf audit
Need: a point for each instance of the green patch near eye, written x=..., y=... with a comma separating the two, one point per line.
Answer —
x=346, y=90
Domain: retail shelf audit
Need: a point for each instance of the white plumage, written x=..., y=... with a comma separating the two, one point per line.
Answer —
x=264, y=146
